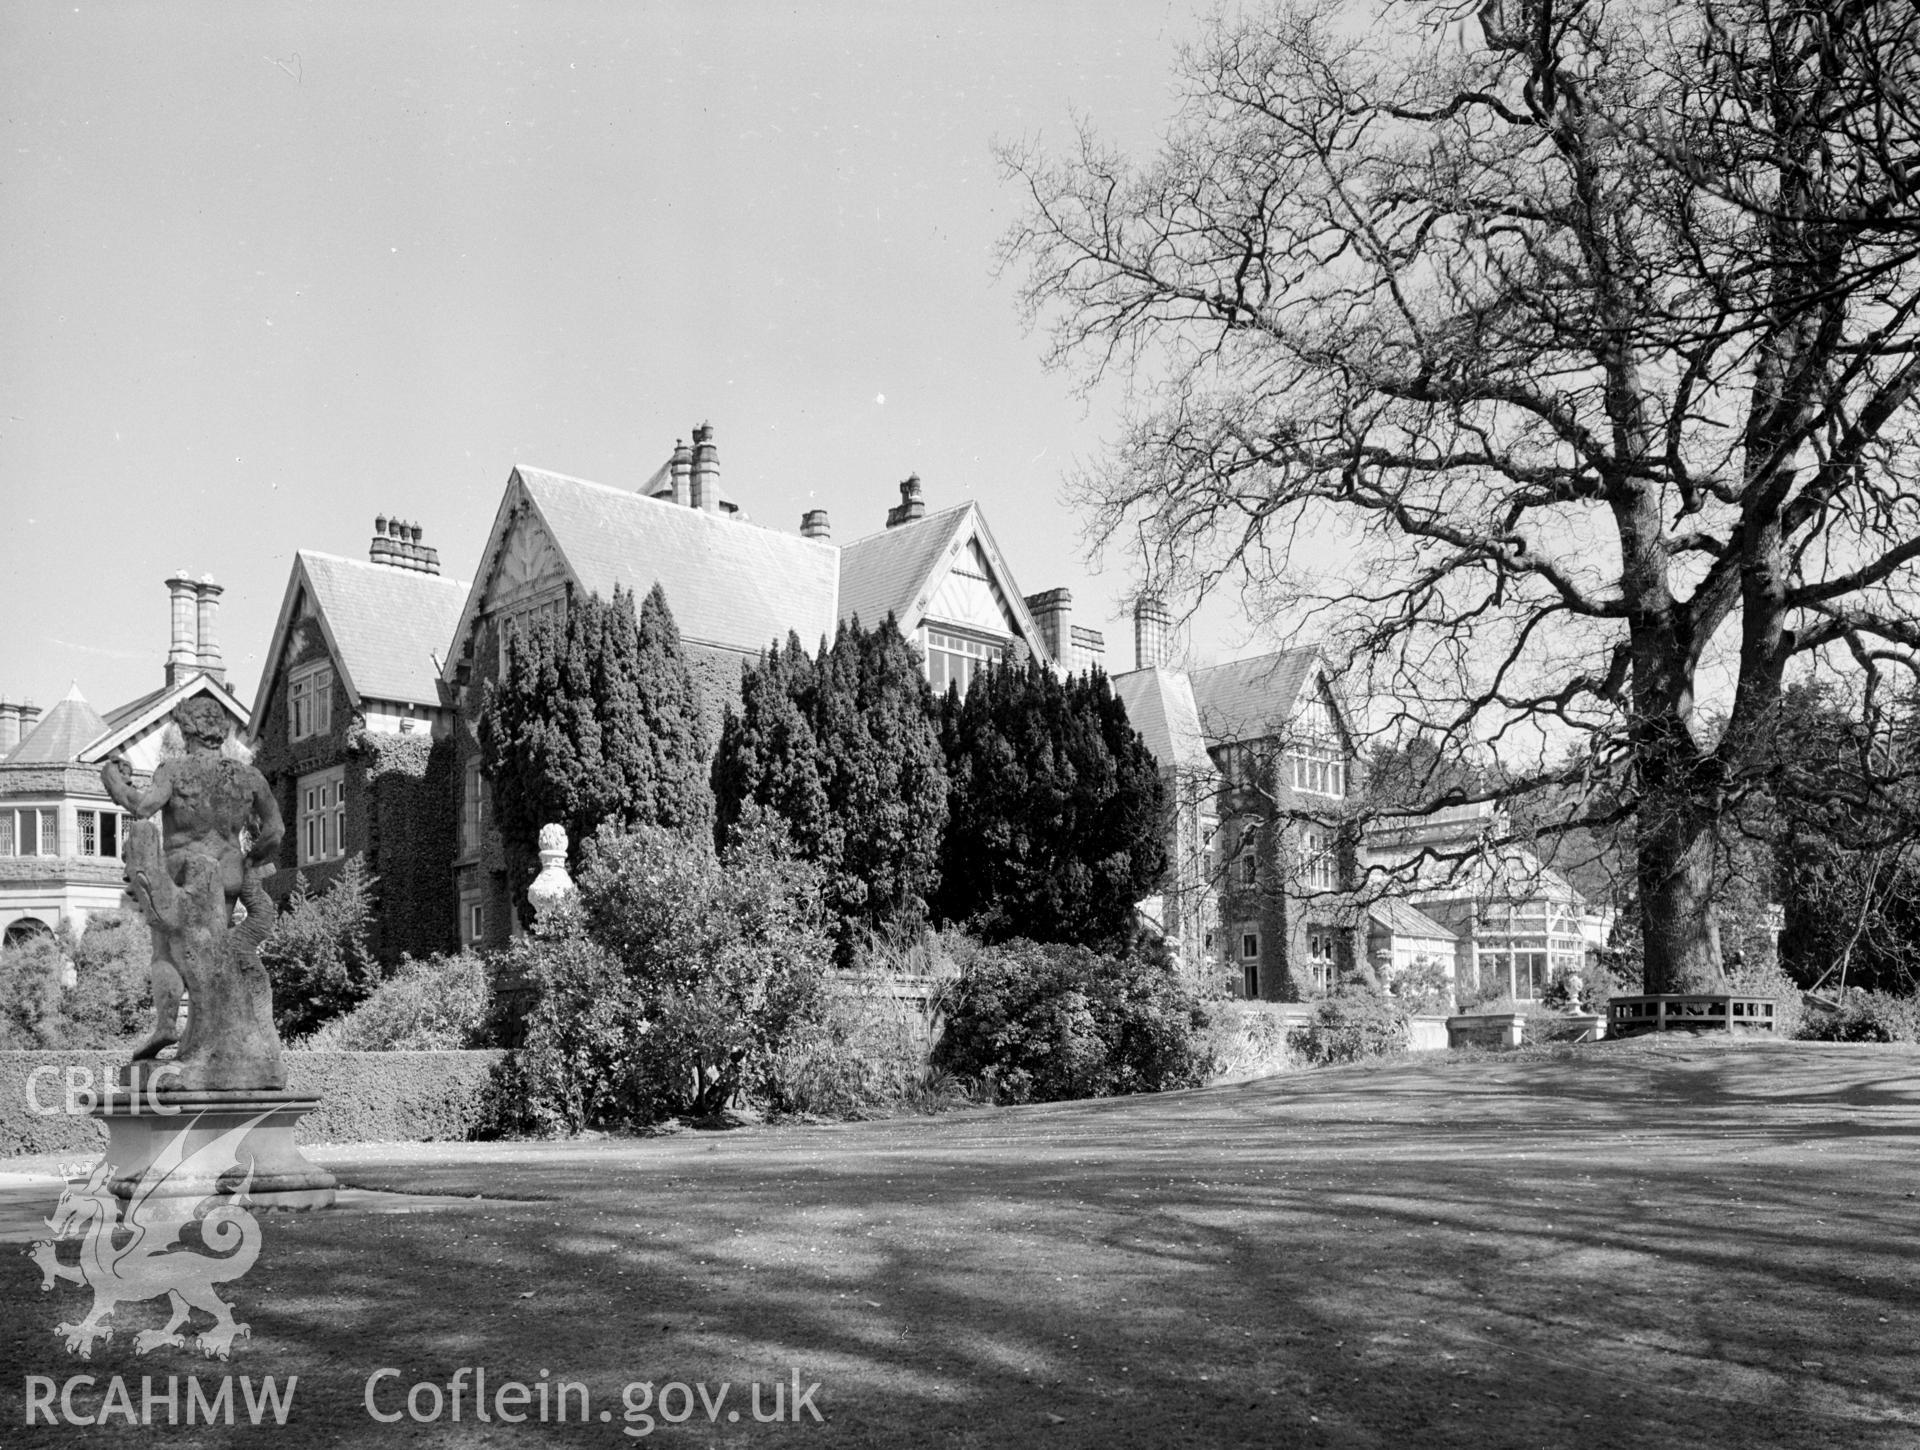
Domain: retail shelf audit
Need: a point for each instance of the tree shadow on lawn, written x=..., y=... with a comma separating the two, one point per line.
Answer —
x=1345, y=1259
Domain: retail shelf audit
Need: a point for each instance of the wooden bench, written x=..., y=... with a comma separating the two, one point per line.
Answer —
x=1690, y=1012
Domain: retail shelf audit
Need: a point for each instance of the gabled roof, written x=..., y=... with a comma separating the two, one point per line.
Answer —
x=1253, y=698
x=63, y=732
x=896, y=570
x=729, y=583
x=386, y=628
x=1160, y=706
x=889, y=572
x=129, y=720
x=1404, y=920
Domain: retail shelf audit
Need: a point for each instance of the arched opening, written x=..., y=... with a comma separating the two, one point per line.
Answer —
x=27, y=929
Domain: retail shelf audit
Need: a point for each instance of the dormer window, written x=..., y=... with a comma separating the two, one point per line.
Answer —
x=310, y=701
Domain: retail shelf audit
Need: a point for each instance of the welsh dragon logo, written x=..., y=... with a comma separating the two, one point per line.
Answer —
x=134, y=1252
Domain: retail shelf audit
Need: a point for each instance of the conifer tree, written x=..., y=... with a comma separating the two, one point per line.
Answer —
x=677, y=794
x=769, y=754
x=843, y=749
x=595, y=720
x=1057, y=810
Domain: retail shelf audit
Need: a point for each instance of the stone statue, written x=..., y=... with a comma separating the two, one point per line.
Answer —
x=221, y=829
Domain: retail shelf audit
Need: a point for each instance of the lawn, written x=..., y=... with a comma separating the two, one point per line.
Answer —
x=1671, y=1244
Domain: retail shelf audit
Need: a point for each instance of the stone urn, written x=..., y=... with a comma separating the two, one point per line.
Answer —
x=553, y=888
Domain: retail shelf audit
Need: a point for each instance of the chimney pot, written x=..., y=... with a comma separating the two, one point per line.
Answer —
x=814, y=525
x=9, y=727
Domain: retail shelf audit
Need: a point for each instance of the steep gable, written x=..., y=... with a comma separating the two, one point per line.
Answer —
x=1254, y=698
x=731, y=585
x=134, y=728
x=944, y=568
x=387, y=629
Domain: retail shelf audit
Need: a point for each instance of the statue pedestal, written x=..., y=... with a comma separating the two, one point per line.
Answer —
x=146, y=1124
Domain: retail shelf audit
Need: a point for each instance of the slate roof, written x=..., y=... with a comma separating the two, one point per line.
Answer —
x=1161, y=707
x=1403, y=920
x=884, y=573
x=63, y=732
x=1252, y=698
x=389, y=627
x=730, y=583
x=133, y=709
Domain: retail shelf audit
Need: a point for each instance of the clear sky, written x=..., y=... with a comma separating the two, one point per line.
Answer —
x=271, y=270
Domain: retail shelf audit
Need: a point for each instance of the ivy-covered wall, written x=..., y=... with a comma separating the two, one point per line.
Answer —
x=283, y=760
x=402, y=811
x=409, y=789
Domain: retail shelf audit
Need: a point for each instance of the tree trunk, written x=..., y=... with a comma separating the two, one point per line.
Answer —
x=1675, y=871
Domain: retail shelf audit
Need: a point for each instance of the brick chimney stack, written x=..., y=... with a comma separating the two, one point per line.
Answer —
x=1152, y=633
x=706, y=470
x=911, y=505
x=207, y=612
x=680, y=470
x=396, y=544
x=183, y=653
x=1053, y=612
x=814, y=525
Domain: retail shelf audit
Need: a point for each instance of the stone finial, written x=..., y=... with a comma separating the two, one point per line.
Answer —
x=553, y=887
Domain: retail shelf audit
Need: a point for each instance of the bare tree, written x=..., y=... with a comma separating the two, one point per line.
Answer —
x=1580, y=334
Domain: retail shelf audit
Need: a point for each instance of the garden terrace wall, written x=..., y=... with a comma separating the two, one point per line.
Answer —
x=365, y=1097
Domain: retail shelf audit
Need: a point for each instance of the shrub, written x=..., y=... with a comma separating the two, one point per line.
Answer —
x=864, y=1053
x=1350, y=1025
x=317, y=954
x=1246, y=1039
x=1765, y=976
x=109, y=1004
x=1425, y=986
x=435, y=1005
x=676, y=983
x=1043, y=1023
x=1866, y=1016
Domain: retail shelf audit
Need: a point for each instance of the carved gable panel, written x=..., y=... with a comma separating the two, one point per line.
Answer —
x=967, y=594
x=529, y=564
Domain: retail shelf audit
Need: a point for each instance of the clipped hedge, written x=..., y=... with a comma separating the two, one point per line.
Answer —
x=365, y=1097
x=392, y=1097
